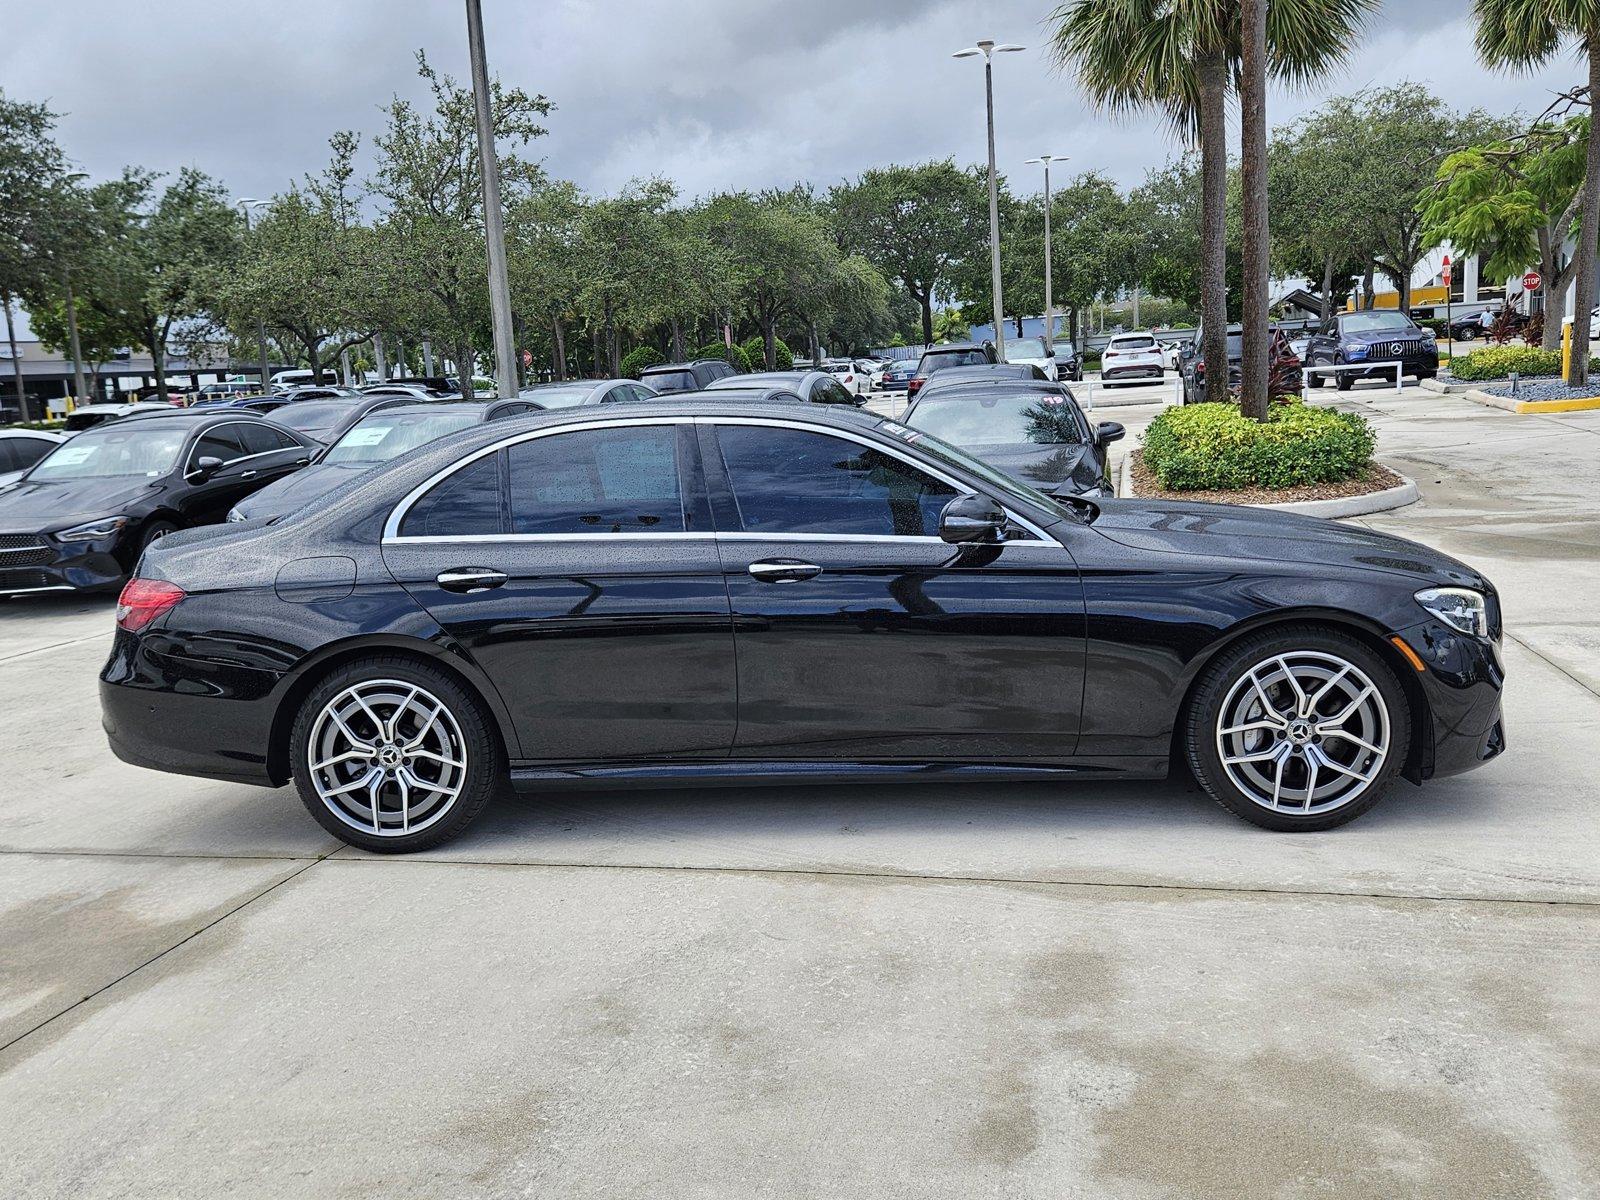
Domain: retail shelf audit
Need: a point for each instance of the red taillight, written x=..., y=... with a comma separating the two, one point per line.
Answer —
x=913, y=384
x=143, y=600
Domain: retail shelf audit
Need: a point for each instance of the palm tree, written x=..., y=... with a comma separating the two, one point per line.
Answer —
x=1521, y=35
x=1180, y=57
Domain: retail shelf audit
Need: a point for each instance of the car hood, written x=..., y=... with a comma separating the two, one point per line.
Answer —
x=1248, y=533
x=296, y=491
x=1049, y=468
x=31, y=507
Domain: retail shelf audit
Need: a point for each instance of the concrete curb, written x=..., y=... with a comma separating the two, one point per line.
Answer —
x=1402, y=494
x=1444, y=389
x=1512, y=405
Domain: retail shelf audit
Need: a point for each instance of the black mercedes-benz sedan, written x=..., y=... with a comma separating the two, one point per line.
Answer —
x=693, y=591
x=1033, y=430
x=81, y=516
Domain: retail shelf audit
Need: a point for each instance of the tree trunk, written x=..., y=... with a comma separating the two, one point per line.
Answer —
x=1018, y=321
x=1213, y=72
x=16, y=363
x=927, y=318
x=1366, y=286
x=316, y=362
x=1255, y=362
x=464, y=367
x=1072, y=325
x=677, y=340
x=558, y=343
x=1402, y=290
x=158, y=359
x=1327, y=287
x=769, y=341
x=813, y=343
x=1588, y=234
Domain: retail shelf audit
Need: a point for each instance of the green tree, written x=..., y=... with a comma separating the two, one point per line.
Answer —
x=1317, y=231
x=1180, y=58
x=621, y=240
x=1521, y=35
x=543, y=229
x=32, y=168
x=1514, y=202
x=917, y=225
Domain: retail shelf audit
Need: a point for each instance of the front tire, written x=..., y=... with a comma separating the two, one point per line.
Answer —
x=393, y=755
x=1344, y=381
x=1297, y=729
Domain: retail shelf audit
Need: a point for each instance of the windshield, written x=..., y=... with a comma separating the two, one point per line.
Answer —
x=308, y=416
x=1025, y=348
x=383, y=435
x=1000, y=485
x=672, y=381
x=999, y=420
x=558, y=397
x=141, y=449
x=1365, y=322
x=938, y=360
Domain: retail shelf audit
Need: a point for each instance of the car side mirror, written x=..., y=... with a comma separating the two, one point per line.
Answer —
x=204, y=468
x=1109, y=431
x=973, y=518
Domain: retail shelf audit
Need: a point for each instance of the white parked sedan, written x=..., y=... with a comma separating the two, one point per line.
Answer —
x=855, y=376
x=1132, y=356
x=21, y=448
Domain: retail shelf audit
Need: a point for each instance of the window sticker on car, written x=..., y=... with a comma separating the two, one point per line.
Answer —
x=899, y=431
x=366, y=437
x=71, y=456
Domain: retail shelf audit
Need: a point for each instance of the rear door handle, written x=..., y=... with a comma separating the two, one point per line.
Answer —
x=783, y=570
x=471, y=579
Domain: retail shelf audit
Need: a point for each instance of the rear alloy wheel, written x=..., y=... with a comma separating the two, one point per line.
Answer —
x=391, y=755
x=1300, y=730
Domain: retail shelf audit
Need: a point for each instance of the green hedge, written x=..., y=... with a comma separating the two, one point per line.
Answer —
x=636, y=360
x=1205, y=446
x=1496, y=362
x=734, y=355
x=756, y=351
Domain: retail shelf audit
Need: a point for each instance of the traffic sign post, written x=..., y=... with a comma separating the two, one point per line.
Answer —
x=1532, y=281
x=1449, y=325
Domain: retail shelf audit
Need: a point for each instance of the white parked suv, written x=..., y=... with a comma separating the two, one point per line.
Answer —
x=1130, y=357
x=1030, y=351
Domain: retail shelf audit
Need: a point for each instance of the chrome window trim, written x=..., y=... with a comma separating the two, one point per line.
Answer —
x=391, y=527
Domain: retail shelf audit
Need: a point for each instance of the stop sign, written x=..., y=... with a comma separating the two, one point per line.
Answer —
x=1531, y=281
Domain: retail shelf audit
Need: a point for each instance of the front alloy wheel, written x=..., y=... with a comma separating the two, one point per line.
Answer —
x=1298, y=732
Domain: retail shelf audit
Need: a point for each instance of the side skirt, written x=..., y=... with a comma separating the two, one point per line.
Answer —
x=731, y=773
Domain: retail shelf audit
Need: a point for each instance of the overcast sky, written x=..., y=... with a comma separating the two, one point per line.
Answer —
x=711, y=93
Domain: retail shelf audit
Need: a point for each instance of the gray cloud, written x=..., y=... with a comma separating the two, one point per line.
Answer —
x=712, y=93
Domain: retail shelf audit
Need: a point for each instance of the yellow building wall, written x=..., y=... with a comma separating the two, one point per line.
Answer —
x=1420, y=296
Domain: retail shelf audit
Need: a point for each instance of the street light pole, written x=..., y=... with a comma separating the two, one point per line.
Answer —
x=245, y=205
x=988, y=49
x=505, y=350
x=1049, y=270
x=74, y=343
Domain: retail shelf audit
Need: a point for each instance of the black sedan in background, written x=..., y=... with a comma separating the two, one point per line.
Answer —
x=1034, y=432
x=377, y=438
x=1353, y=339
x=326, y=420
x=692, y=591
x=82, y=515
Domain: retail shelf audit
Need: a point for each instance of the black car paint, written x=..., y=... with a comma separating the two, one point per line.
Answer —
x=40, y=508
x=1070, y=652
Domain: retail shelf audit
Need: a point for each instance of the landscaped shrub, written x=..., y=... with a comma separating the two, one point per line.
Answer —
x=636, y=360
x=1437, y=324
x=1496, y=362
x=756, y=350
x=1205, y=446
x=733, y=355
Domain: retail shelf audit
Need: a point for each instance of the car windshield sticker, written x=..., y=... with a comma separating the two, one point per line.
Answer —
x=71, y=456
x=367, y=437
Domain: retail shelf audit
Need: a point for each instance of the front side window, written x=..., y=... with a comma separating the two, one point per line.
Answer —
x=225, y=442
x=621, y=479
x=797, y=481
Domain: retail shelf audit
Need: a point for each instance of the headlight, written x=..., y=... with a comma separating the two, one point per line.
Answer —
x=235, y=515
x=1459, y=608
x=92, y=531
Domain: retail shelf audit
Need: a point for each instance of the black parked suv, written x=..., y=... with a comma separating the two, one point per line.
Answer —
x=1375, y=336
x=685, y=376
x=83, y=514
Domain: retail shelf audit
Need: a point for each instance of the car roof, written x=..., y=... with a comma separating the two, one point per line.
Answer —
x=761, y=377
x=678, y=366
x=467, y=406
x=196, y=414
x=31, y=433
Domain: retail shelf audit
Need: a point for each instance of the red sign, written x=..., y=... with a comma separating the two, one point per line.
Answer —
x=1531, y=281
x=1445, y=275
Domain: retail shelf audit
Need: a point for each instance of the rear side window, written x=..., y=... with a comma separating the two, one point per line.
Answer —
x=617, y=480
x=466, y=503
x=795, y=481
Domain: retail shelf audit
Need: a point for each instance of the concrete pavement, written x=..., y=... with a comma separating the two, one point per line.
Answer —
x=1099, y=991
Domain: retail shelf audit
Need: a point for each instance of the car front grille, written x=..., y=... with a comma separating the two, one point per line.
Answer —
x=25, y=581
x=1387, y=351
x=23, y=550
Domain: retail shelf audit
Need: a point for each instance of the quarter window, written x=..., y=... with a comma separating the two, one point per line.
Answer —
x=465, y=503
x=611, y=480
x=794, y=481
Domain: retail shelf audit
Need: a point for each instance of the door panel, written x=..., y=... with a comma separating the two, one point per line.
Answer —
x=899, y=645
x=610, y=636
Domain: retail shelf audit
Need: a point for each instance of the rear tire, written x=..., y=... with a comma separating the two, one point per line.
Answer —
x=1297, y=729
x=378, y=768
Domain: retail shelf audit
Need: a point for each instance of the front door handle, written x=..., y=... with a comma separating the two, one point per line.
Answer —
x=783, y=570
x=247, y=474
x=471, y=579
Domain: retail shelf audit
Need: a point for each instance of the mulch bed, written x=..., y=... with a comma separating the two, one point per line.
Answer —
x=1376, y=479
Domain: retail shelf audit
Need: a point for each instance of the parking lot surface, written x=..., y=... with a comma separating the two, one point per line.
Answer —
x=1109, y=990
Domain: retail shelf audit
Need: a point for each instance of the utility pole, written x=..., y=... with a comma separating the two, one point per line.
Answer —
x=505, y=351
x=988, y=49
x=1049, y=306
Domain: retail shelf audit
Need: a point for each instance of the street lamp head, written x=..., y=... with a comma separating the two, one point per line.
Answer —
x=1047, y=159
x=1008, y=48
x=967, y=53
